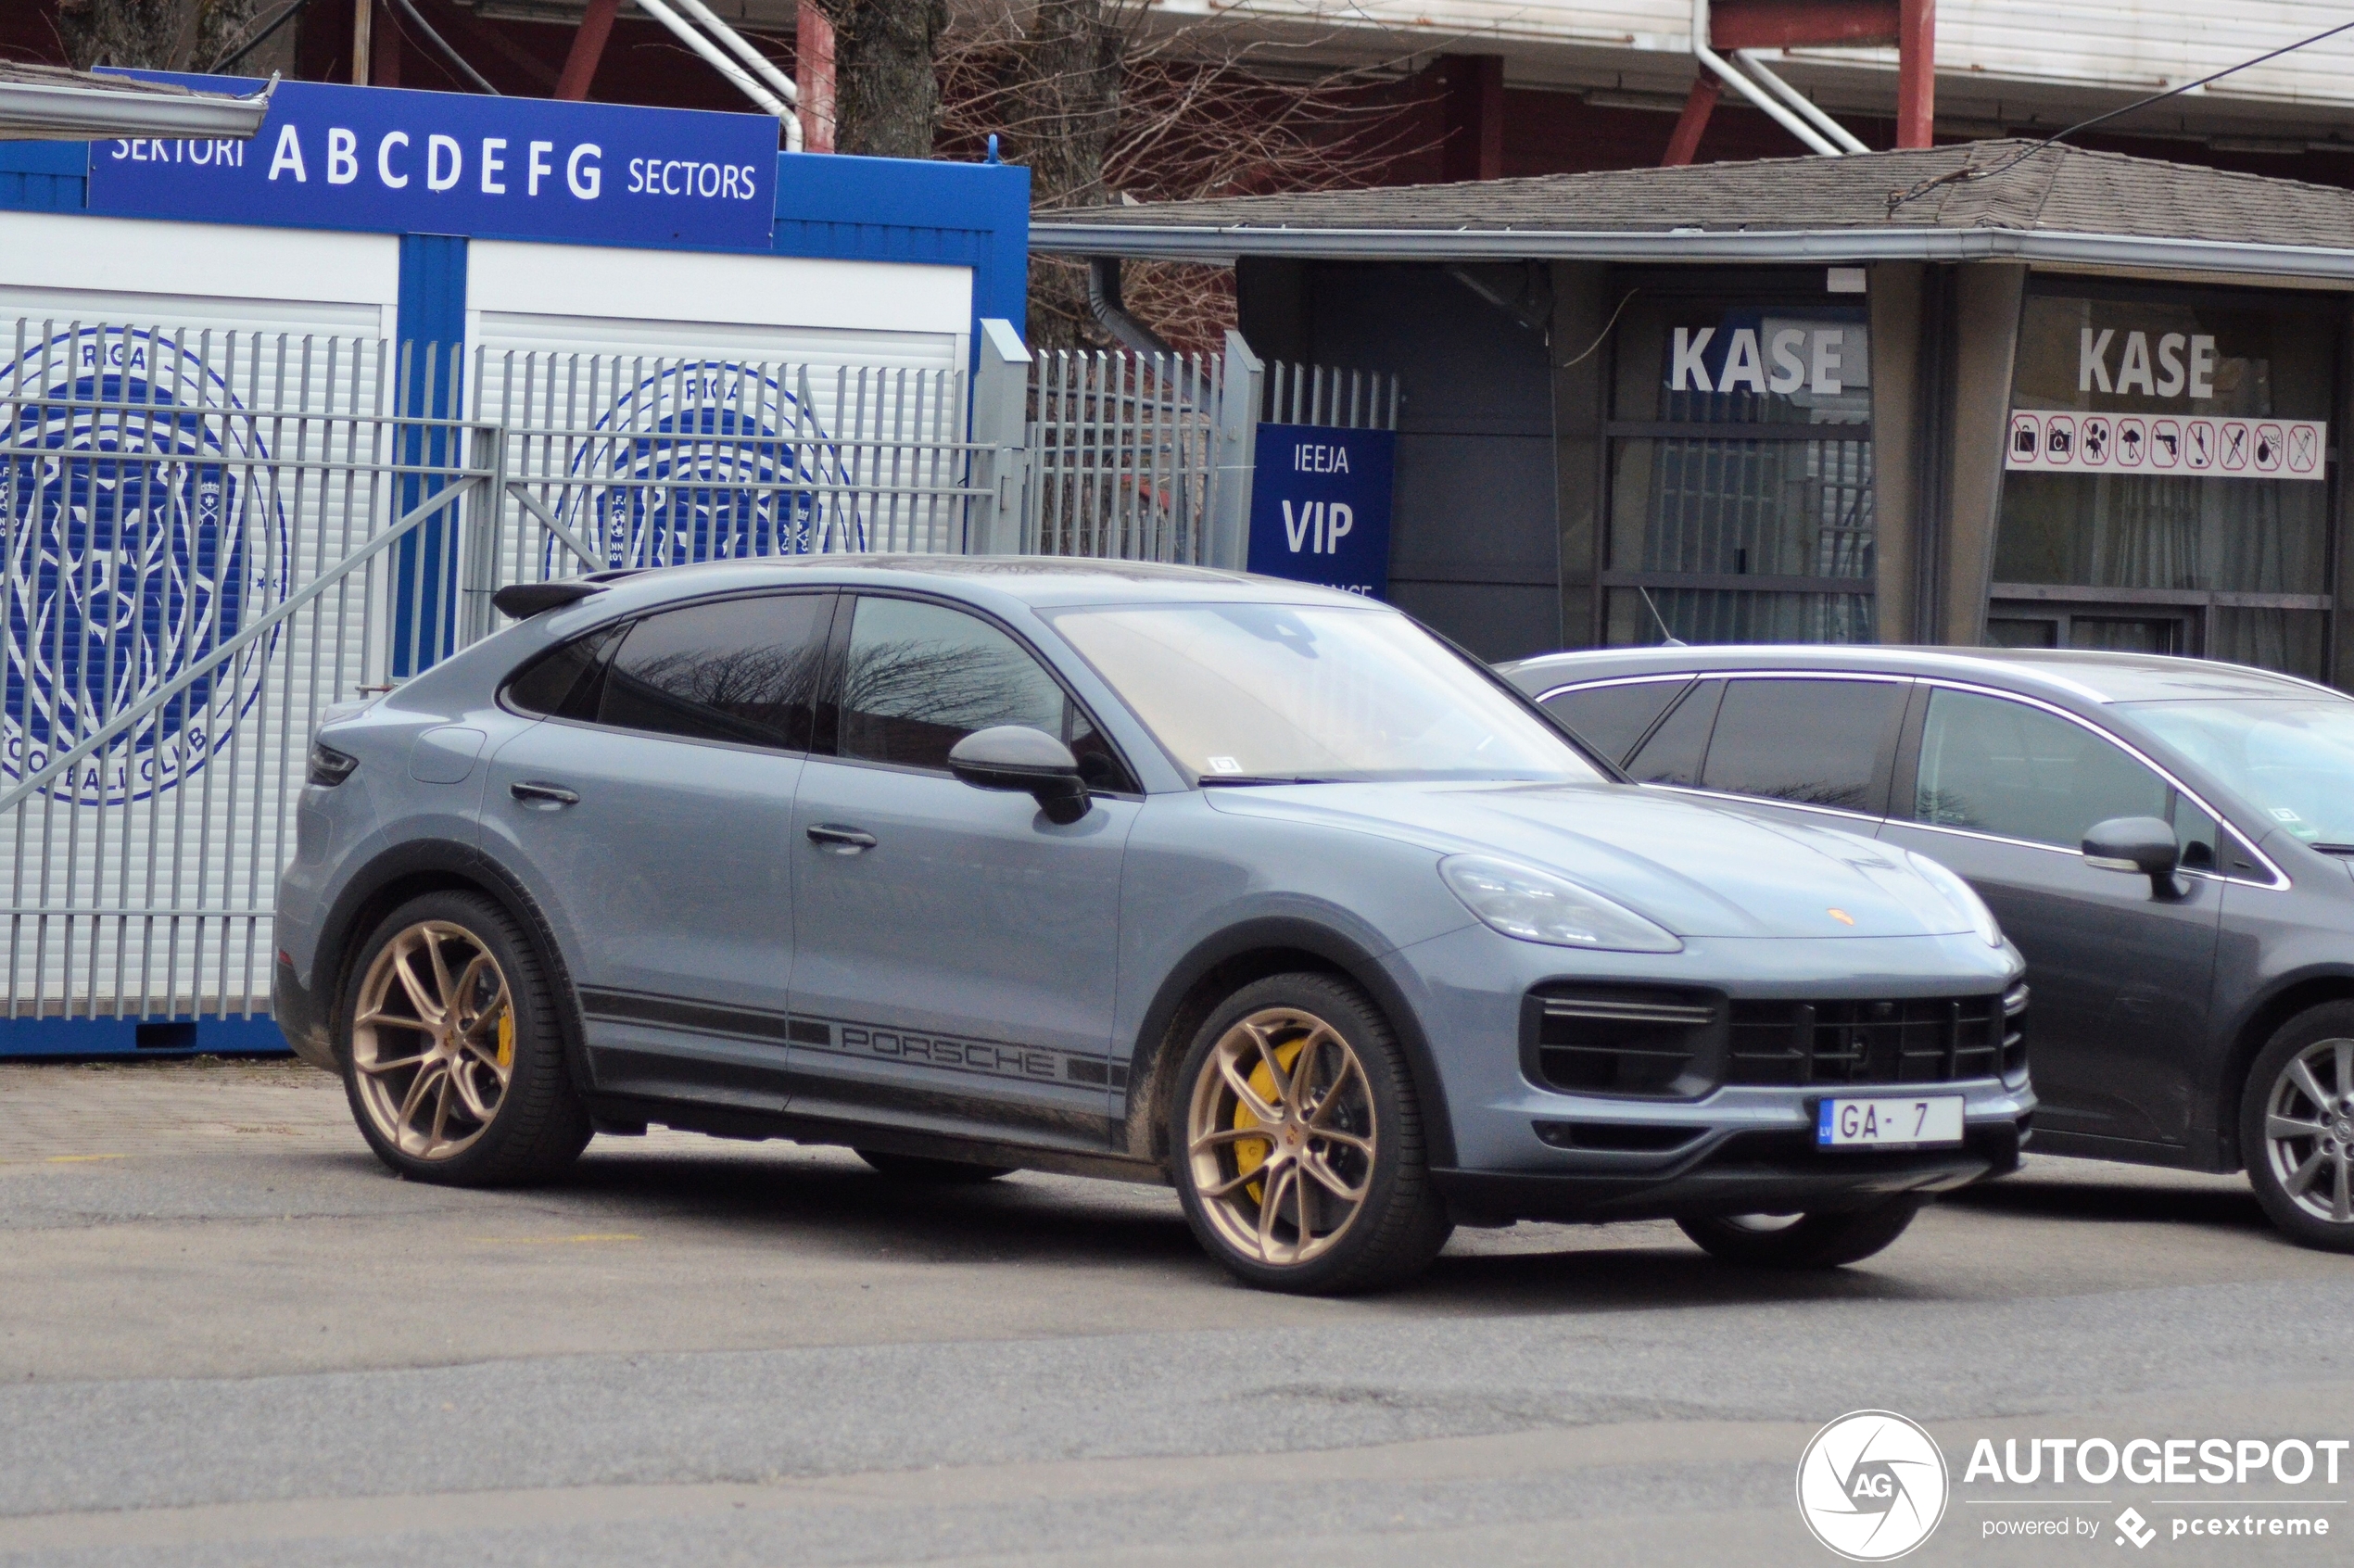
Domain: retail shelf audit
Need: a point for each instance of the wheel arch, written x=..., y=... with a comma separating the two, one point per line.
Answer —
x=2266, y=1019
x=424, y=866
x=1234, y=958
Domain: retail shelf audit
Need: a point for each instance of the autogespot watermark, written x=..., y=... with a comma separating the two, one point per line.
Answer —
x=1872, y=1486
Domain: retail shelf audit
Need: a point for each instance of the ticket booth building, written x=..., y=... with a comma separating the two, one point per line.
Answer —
x=1987, y=394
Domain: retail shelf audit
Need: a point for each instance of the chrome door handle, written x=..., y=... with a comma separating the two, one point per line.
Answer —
x=839, y=840
x=542, y=795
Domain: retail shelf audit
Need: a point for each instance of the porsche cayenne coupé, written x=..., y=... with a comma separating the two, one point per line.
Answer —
x=1154, y=873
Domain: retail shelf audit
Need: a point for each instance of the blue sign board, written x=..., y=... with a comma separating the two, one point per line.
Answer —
x=452, y=163
x=1320, y=506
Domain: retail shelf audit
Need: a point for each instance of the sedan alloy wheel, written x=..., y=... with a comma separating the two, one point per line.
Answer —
x=2308, y=1130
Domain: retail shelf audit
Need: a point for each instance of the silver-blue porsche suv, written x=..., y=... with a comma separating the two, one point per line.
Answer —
x=1160, y=874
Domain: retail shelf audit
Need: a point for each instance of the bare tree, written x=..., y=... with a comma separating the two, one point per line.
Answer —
x=1104, y=110
x=150, y=35
x=886, y=87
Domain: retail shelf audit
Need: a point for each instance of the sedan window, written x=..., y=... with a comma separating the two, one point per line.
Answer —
x=1811, y=743
x=2002, y=767
x=735, y=669
x=1672, y=755
x=1612, y=718
x=2291, y=759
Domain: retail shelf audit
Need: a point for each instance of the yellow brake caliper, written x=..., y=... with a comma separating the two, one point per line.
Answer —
x=506, y=1038
x=1251, y=1153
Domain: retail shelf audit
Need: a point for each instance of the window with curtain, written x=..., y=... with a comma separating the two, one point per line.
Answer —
x=1740, y=486
x=2238, y=563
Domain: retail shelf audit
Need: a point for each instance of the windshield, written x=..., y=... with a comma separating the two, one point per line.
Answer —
x=1254, y=693
x=2293, y=759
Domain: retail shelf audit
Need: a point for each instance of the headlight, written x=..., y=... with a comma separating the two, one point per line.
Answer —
x=1960, y=895
x=330, y=768
x=1534, y=905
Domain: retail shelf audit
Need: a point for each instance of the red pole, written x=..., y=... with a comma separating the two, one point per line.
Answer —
x=587, y=49
x=1685, y=142
x=814, y=69
x=1915, y=72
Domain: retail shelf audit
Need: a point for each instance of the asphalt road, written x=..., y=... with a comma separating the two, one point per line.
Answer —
x=228, y=1336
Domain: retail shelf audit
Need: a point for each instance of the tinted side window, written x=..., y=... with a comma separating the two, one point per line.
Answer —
x=920, y=677
x=1611, y=718
x=2004, y=767
x=1672, y=755
x=563, y=682
x=1812, y=742
x=738, y=669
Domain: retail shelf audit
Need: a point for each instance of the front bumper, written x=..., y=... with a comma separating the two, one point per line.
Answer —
x=1734, y=1172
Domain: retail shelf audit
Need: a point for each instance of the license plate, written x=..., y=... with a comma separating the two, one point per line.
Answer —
x=1913, y=1122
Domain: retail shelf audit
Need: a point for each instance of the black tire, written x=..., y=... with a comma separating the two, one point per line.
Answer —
x=1808, y=1241
x=2305, y=1212
x=537, y=1126
x=1398, y=1224
x=924, y=1170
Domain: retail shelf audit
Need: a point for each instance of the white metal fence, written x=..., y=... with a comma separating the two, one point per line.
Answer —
x=211, y=536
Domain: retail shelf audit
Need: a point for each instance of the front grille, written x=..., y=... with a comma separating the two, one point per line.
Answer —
x=1917, y=1040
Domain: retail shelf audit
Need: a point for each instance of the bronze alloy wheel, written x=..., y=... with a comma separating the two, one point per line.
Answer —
x=2308, y=1130
x=1281, y=1134
x=433, y=1043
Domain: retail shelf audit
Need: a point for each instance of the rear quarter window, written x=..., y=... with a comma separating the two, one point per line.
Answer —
x=1612, y=718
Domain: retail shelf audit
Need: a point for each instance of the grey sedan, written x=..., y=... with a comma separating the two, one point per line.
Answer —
x=2168, y=840
x=1152, y=873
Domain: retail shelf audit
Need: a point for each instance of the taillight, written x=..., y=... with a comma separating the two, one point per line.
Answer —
x=330, y=768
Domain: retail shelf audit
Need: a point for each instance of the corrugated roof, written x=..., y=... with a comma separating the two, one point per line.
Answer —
x=2008, y=186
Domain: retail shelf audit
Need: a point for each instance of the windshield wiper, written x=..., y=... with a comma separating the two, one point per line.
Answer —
x=2332, y=849
x=1223, y=778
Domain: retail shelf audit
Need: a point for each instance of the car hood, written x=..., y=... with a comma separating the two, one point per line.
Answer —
x=1698, y=868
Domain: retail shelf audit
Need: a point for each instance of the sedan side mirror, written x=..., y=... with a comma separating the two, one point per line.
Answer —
x=2142, y=844
x=1014, y=756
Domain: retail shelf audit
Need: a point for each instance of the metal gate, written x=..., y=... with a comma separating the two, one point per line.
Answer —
x=212, y=535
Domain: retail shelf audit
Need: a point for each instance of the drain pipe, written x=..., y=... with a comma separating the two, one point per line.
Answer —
x=1753, y=62
x=1104, y=304
x=1739, y=82
x=719, y=62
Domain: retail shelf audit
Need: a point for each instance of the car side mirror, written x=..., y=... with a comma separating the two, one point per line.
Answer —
x=1014, y=756
x=2142, y=844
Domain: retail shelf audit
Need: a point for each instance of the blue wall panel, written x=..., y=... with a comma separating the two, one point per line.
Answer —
x=432, y=327
x=44, y=176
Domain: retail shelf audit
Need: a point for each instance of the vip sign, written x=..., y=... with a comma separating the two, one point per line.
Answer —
x=1320, y=506
x=2166, y=444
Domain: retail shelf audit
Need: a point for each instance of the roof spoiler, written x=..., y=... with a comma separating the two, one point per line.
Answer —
x=520, y=601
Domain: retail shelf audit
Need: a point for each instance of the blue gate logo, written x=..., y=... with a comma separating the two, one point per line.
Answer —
x=710, y=461
x=128, y=502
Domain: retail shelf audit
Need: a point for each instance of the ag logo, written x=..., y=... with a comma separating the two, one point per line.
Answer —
x=1871, y=1485
x=140, y=536
x=709, y=460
